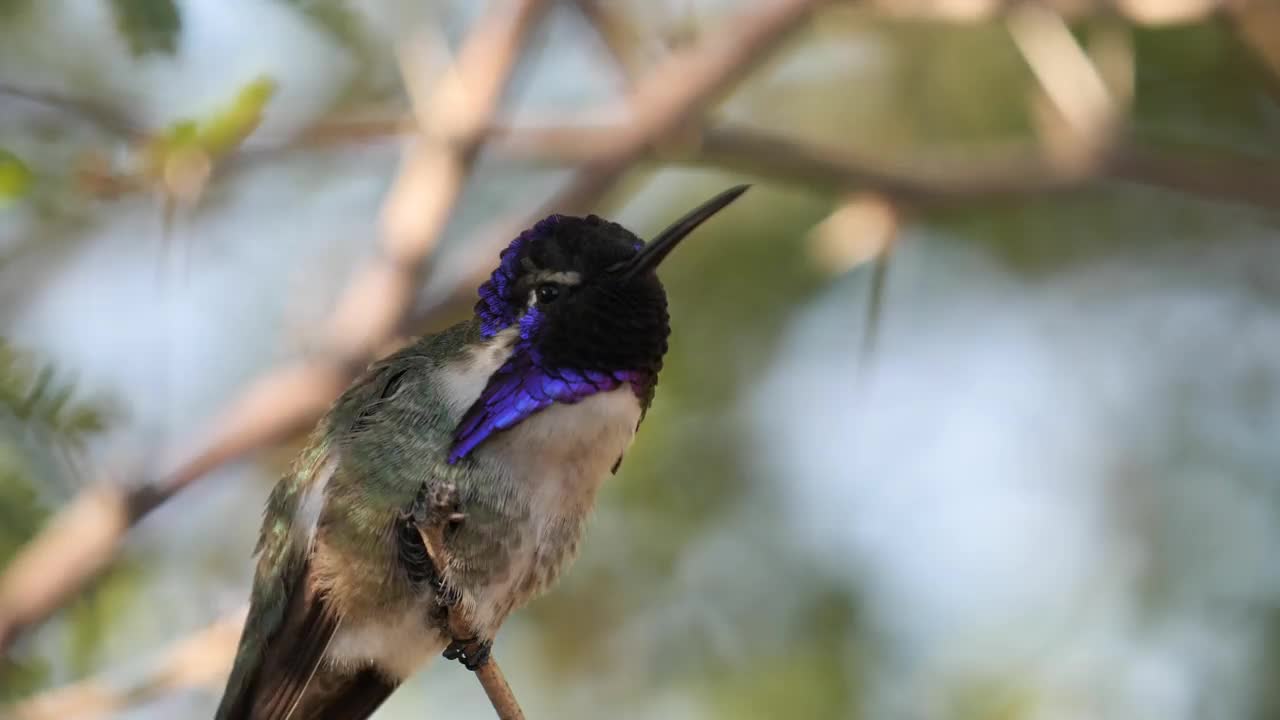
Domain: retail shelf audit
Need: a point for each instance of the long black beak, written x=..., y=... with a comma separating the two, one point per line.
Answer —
x=662, y=245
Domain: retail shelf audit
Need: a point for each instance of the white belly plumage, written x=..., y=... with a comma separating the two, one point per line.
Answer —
x=398, y=646
x=576, y=448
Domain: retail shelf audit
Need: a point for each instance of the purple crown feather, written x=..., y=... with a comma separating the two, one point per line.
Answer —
x=497, y=307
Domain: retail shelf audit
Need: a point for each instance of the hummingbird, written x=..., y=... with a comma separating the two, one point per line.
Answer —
x=515, y=417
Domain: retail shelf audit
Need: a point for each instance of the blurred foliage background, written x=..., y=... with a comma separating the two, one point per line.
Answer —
x=1039, y=481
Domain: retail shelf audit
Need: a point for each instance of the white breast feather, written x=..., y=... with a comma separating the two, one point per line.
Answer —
x=399, y=646
x=465, y=380
x=557, y=458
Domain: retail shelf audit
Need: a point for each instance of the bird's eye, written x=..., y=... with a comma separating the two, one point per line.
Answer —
x=547, y=292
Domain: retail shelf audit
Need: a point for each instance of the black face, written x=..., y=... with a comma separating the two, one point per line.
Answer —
x=584, y=294
x=561, y=284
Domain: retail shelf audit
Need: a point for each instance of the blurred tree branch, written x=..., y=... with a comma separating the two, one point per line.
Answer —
x=1258, y=27
x=102, y=115
x=1003, y=174
x=200, y=659
x=1140, y=12
x=1008, y=173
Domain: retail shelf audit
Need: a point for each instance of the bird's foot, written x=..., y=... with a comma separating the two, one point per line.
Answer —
x=437, y=505
x=436, y=512
x=473, y=653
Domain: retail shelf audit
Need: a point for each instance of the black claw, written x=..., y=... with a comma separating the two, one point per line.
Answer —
x=477, y=659
x=472, y=652
x=456, y=650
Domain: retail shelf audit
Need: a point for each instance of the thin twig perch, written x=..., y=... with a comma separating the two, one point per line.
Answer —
x=440, y=512
x=499, y=692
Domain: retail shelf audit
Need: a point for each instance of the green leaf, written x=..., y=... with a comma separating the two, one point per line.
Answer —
x=216, y=136
x=21, y=513
x=30, y=393
x=148, y=26
x=182, y=132
x=15, y=178
x=223, y=132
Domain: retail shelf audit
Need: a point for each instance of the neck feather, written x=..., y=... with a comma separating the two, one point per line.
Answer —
x=525, y=384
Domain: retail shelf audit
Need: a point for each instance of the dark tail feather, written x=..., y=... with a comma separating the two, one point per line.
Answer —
x=330, y=695
x=365, y=694
x=350, y=697
x=276, y=674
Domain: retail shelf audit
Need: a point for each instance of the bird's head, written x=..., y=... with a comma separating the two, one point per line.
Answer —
x=580, y=302
x=583, y=291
